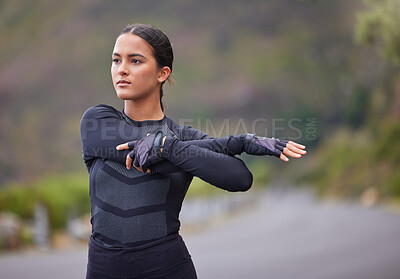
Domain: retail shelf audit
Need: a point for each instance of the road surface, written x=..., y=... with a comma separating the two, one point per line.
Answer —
x=292, y=235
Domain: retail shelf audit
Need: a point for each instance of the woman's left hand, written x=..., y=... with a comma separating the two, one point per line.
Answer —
x=292, y=149
x=256, y=145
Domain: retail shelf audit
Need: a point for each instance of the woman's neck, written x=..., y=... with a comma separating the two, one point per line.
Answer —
x=141, y=110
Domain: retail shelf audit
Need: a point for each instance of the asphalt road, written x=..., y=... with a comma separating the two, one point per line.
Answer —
x=283, y=235
x=291, y=235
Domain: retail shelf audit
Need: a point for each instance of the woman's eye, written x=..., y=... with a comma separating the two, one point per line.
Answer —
x=135, y=61
x=115, y=60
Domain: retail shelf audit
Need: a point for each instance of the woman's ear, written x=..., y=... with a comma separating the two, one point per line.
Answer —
x=163, y=74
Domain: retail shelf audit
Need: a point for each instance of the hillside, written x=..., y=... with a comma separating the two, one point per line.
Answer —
x=282, y=62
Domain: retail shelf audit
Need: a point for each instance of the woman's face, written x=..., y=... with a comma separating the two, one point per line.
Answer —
x=134, y=69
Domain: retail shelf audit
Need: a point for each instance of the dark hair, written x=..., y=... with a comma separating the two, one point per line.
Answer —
x=160, y=43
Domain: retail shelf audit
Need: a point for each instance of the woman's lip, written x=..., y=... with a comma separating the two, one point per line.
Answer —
x=123, y=81
x=122, y=84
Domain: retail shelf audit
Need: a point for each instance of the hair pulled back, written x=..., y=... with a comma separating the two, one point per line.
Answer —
x=160, y=44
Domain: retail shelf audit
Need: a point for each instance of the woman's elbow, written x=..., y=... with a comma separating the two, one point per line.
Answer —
x=235, y=178
x=247, y=180
x=241, y=181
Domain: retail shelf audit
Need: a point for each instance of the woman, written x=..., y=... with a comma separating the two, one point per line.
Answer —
x=135, y=225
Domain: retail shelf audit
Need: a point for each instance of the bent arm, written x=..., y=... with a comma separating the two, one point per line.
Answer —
x=102, y=130
x=210, y=159
x=221, y=170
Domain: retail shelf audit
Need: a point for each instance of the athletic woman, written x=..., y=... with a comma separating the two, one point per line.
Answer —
x=135, y=210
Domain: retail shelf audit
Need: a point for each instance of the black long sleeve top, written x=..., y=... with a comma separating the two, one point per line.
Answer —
x=131, y=208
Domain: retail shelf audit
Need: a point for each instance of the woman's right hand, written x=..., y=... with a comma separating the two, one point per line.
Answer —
x=255, y=145
x=144, y=152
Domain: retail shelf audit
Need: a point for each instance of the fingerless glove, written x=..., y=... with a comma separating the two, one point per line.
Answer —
x=146, y=151
x=255, y=145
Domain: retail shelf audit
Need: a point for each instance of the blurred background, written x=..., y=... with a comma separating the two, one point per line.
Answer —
x=322, y=73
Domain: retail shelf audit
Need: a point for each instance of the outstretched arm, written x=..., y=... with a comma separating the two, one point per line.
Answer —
x=236, y=144
x=252, y=145
x=213, y=167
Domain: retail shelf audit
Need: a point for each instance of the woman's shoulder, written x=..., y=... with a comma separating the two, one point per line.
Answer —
x=100, y=111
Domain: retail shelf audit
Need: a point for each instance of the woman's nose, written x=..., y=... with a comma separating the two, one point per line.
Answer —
x=123, y=69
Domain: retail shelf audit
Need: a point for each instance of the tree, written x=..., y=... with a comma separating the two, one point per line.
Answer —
x=379, y=26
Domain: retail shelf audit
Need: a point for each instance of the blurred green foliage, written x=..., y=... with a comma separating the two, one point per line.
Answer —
x=60, y=194
x=379, y=26
x=257, y=59
x=356, y=110
x=351, y=162
x=368, y=154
